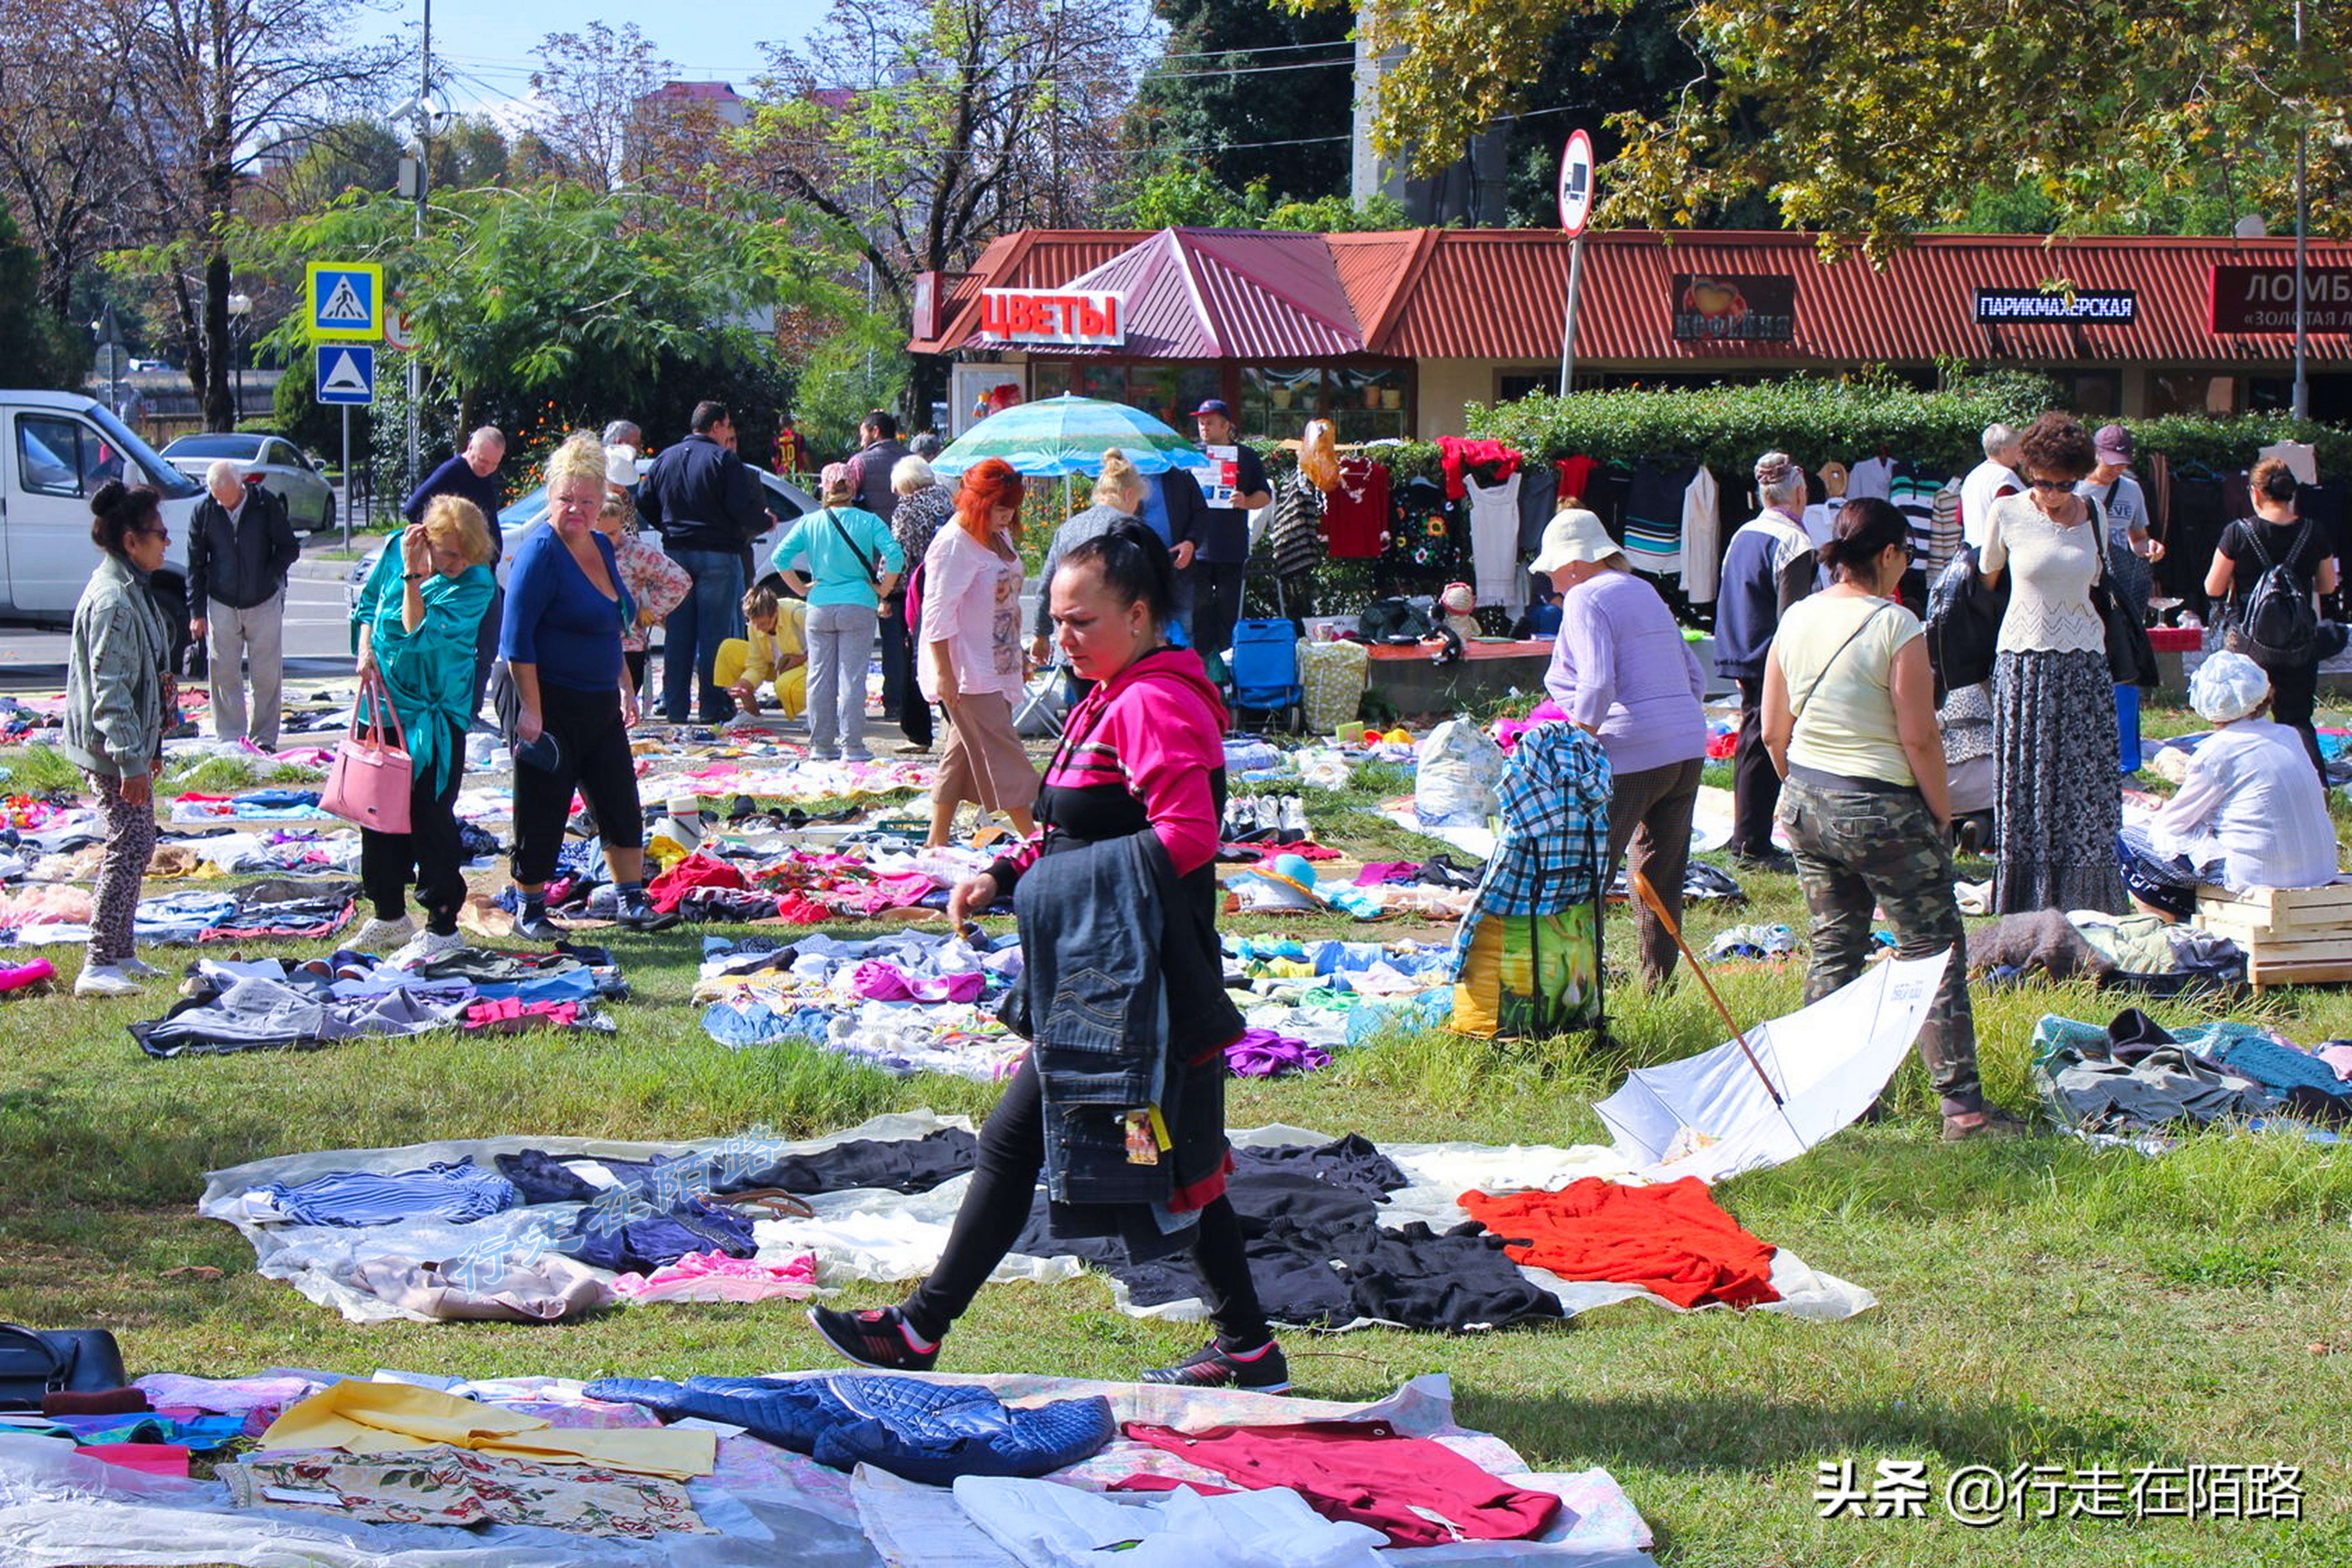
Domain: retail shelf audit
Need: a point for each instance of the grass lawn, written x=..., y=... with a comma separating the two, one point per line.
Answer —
x=2041, y=1303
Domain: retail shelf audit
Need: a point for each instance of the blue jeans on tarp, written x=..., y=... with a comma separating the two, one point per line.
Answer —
x=712, y=612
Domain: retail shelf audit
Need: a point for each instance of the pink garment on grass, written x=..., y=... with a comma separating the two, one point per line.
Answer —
x=715, y=1277
x=1508, y=730
x=2338, y=1056
x=876, y=980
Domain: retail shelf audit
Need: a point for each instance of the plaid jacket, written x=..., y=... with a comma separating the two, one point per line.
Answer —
x=1554, y=844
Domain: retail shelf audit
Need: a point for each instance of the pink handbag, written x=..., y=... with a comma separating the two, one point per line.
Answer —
x=369, y=784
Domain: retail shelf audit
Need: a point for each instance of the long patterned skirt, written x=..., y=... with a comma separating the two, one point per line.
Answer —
x=2058, y=803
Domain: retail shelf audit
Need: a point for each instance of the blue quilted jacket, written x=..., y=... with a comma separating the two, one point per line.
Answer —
x=927, y=1432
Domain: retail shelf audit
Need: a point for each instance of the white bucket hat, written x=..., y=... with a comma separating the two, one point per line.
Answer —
x=1575, y=534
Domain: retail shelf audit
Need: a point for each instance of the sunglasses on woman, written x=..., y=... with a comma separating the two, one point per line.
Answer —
x=2052, y=484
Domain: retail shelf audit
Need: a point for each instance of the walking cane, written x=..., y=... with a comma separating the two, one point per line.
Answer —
x=1649, y=895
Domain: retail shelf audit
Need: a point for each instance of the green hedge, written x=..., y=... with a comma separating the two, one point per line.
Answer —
x=1813, y=418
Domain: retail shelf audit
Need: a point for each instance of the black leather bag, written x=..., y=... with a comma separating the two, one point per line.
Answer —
x=35, y=1362
x=2131, y=652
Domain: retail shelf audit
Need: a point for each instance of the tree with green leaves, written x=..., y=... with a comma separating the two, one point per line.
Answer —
x=959, y=121
x=1250, y=94
x=208, y=84
x=37, y=348
x=1865, y=120
x=557, y=298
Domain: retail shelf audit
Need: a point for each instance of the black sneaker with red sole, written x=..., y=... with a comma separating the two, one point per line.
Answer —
x=1212, y=1366
x=876, y=1338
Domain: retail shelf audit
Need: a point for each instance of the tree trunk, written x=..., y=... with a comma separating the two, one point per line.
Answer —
x=220, y=410
x=927, y=384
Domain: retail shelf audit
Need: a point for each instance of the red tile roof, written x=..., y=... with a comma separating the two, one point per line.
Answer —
x=1498, y=294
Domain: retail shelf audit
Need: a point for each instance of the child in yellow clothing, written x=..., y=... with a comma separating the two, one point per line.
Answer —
x=773, y=650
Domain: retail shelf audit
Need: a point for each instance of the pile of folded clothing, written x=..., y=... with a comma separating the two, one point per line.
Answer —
x=252, y=1005
x=908, y=1002
x=273, y=908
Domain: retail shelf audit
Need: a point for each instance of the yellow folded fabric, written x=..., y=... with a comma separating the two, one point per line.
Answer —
x=393, y=1417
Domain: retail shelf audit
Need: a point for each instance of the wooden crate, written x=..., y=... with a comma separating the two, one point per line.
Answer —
x=2291, y=935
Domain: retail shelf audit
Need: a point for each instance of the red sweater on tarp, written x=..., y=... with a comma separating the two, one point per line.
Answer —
x=1360, y=1472
x=1673, y=1239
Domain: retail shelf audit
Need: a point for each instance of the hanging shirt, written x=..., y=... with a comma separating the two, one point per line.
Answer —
x=1495, y=543
x=1913, y=492
x=1539, y=499
x=1356, y=515
x=1871, y=477
x=1702, y=539
x=1653, y=520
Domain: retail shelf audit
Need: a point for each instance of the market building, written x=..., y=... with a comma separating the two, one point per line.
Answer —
x=1392, y=334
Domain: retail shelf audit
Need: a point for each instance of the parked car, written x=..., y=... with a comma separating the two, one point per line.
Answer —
x=271, y=461
x=56, y=449
x=785, y=500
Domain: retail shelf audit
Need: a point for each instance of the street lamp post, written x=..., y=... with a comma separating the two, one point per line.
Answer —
x=240, y=324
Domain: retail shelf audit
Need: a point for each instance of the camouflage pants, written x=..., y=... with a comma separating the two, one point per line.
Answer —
x=1857, y=849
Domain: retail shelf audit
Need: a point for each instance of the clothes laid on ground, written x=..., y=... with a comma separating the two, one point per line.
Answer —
x=2091, y=1081
x=1047, y=1525
x=365, y=1418
x=907, y=1001
x=1674, y=1238
x=452, y=1487
x=460, y=1191
x=1341, y=1233
x=2142, y=951
x=715, y=1277
x=266, y=1003
x=1415, y=1491
x=922, y=1431
x=279, y=907
x=1320, y=1255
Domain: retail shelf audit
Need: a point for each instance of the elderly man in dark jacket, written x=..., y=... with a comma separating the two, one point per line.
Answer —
x=241, y=545
x=705, y=504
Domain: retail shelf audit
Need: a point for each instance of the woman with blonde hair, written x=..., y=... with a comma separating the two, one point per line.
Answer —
x=414, y=633
x=969, y=659
x=1118, y=496
x=566, y=608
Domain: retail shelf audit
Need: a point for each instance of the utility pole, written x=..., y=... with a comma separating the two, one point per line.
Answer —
x=423, y=178
x=2300, y=404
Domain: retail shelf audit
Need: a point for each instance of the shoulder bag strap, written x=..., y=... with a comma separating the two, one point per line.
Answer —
x=833, y=517
x=38, y=1349
x=1797, y=709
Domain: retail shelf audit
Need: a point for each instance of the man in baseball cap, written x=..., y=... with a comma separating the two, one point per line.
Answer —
x=2132, y=556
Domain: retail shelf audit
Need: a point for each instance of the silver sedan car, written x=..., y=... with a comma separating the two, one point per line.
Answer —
x=271, y=461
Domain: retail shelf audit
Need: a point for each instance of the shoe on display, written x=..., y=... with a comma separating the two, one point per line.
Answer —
x=1291, y=812
x=425, y=947
x=379, y=933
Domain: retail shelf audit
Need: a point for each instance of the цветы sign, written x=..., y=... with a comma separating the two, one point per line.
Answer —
x=1084, y=318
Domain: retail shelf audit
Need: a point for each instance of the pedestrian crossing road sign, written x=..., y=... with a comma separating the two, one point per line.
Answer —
x=346, y=301
x=346, y=373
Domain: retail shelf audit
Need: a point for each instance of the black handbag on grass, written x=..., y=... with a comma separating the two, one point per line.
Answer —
x=35, y=1362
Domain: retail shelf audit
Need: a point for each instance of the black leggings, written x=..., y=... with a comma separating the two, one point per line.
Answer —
x=996, y=1207
x=2294, y=695
x=595, y=758
x=428, y=851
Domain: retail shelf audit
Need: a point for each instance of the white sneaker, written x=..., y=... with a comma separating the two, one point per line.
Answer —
x=425, y=947
x=104, y=979
x=139, y=969
x=380, y=933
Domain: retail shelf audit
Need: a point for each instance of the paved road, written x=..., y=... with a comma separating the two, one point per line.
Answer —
x=318, y=634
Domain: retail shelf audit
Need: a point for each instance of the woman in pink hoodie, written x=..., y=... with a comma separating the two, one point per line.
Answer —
x=1143, y=752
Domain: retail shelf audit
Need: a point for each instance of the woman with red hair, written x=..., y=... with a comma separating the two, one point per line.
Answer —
x=969, y=661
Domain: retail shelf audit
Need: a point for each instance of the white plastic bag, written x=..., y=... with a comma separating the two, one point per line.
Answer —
x=1459, y=767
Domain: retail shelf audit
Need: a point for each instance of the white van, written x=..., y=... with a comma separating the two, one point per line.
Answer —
x=56, y=449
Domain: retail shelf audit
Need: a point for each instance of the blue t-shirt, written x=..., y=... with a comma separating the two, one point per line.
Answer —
x=559, y=621
x=815, y=549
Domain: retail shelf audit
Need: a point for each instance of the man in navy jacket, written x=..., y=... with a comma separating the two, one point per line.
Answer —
x=705, y=504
